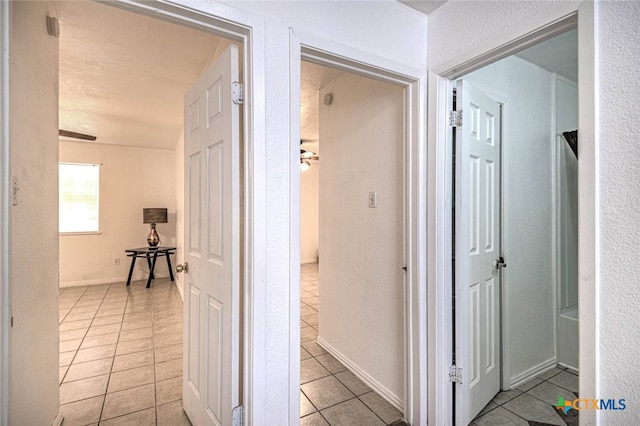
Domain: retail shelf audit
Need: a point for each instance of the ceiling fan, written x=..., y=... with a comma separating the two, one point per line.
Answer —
x=306, y=157
x=76, y=135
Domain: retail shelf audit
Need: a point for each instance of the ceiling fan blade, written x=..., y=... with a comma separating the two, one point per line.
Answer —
x=75, y=135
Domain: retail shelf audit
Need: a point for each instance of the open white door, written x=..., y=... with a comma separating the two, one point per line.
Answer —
x=212, y=245
x=477, y=343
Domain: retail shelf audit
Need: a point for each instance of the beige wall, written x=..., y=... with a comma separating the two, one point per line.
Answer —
x=309, y=210
x=130, y=180
x=33, y=132
x=361, y=279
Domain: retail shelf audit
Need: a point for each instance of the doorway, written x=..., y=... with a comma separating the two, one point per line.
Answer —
x=352, y=300
x=535, y=230
x=126, y=323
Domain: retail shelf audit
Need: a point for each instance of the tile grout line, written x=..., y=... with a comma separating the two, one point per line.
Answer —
x=60, y=321
x=153, y=357
x=81, y=341
x=113, y=360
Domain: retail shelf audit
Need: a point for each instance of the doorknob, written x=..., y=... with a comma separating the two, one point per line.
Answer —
x=500, y=263
x=181, y=268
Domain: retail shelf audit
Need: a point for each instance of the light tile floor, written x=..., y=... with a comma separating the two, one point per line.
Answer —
x=121, y=363
x=121, y=354
x=533, y=402
x=329, y=393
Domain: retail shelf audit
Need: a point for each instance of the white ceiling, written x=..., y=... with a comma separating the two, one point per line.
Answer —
x=123, y=76
x=558, y=54
x=313, y=77
x=424, y=6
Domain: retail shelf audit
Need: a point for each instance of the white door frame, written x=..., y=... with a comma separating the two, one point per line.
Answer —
x=316, y=49
x=4, y=213
x=236, y=25
x=553, y=22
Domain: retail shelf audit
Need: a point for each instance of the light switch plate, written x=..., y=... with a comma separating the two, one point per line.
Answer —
x=373, y=200
x=15, y=189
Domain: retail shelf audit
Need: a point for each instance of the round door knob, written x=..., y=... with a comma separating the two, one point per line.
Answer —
x=181, y=268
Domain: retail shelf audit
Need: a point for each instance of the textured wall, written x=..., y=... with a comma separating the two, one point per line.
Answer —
x=456, y=27
x=361, y=280
x=342, y=24
x=33, y=132
x=526, y=91
x=348, y=24
x=130, y=180
x=459, y=25
x=619, y=150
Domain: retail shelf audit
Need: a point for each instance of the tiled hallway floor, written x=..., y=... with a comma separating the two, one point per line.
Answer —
x=533, y=402
x=121, y=363
x=329, y=393
x=121, y=354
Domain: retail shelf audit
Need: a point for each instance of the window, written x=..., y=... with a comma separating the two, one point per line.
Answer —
x=79, y=197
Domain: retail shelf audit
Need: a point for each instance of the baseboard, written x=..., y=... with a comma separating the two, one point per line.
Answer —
x=568, y=367
x=312, y=260
x=533, y=372
x=59, y=418
x=362, y=375
x=98, y=281
x=180, y=287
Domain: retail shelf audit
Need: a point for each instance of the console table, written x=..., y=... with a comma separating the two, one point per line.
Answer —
x=151, y=254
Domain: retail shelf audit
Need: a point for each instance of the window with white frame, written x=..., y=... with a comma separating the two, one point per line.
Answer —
x=79, y=194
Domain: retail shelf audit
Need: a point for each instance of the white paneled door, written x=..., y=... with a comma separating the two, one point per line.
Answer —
x=212, y=245
x=477, y=343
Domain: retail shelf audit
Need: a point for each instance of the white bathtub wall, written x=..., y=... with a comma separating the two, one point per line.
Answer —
x=567, y=221
x=568, y=341
x=567, y=201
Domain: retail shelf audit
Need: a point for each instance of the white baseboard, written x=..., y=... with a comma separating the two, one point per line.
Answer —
x=532, y=372
x=59, y=418
x=568, y=367
x=98, y=281
x=180, y=286
x=362, y=375
x=312, y=260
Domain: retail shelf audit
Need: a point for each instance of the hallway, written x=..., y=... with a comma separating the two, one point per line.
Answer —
x=329, y=393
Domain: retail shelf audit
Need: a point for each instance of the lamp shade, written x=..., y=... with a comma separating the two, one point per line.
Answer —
x=154, y=215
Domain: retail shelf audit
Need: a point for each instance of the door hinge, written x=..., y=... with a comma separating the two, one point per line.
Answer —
x=499, y=262
x=455, y=118
x=237, y=416
x=237, y=93
x=11, y=321
x=455, y=374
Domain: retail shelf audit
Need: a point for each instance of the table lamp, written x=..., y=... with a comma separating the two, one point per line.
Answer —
x=153, y=216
